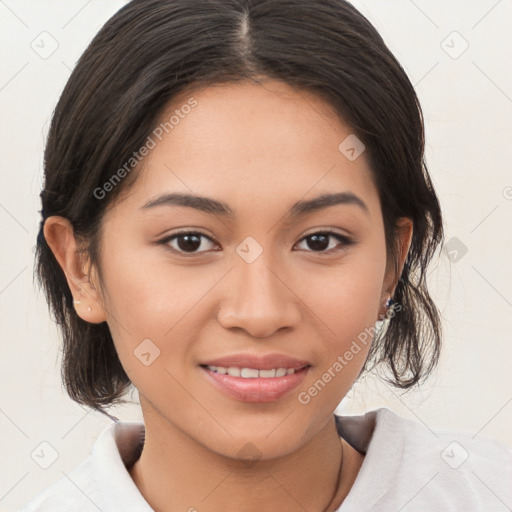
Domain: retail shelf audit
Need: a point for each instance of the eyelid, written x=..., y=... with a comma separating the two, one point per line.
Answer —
x=192, y=230
x=343, y=239
x=187, y=231
x=326, y=229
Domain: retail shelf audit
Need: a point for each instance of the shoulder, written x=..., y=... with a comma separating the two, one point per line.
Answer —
x=445, y=468
x=410, y=466
x=455, y=449
x=102, y=481
x=76, y=491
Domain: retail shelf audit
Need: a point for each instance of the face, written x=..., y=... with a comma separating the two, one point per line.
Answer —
x=251, y=283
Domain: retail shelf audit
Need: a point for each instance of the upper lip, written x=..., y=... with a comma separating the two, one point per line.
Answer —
x=260, y=362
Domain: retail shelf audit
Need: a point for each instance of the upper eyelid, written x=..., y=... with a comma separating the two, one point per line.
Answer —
x=329, y=231
x=190, y=231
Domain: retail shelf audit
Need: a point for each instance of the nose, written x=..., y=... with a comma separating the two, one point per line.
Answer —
x=258, y=299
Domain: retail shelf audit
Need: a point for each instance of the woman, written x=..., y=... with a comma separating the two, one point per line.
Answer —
x=238, y=220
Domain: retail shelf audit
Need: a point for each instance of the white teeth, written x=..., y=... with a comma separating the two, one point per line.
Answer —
x=251, y=373
x=234, y=372
x=216, y=369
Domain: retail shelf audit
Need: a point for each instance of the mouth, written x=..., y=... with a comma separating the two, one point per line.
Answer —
x=253, y=373
x=258, y=382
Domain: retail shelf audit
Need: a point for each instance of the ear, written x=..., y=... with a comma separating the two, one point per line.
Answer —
x=85, y=289
x=394, y=267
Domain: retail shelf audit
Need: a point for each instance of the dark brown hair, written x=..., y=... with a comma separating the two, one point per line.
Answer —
x=150, y=51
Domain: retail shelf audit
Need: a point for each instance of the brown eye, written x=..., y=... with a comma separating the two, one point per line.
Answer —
x=322, y=241
x=187, y=242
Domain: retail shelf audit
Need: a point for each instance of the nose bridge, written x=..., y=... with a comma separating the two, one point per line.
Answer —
x=259, y=282
x=257, y=297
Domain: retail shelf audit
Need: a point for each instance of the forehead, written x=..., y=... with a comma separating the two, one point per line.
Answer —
x=238, y=141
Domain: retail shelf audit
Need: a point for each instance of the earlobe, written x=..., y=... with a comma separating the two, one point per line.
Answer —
x=88, y=303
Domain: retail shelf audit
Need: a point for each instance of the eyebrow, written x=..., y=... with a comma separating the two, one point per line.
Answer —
x=212, y=206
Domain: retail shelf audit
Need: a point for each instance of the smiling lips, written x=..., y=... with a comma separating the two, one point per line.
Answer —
x=256, y=379
x=251, y=373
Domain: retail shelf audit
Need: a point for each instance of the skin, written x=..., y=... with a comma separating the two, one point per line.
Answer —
x=259, y=148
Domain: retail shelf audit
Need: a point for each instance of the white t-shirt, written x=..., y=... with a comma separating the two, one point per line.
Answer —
x=407, y=468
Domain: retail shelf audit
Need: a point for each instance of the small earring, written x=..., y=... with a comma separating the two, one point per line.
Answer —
x=383, y=317
x=79, y=302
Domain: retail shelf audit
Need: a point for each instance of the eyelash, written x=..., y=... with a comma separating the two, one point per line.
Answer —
x=345, y=241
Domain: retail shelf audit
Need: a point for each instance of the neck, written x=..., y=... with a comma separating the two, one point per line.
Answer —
x=176, y=472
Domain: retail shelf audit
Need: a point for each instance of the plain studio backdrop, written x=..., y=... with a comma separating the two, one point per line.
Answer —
x=458, y=55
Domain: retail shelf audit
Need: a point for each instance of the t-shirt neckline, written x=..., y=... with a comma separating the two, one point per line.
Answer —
x=120, y=445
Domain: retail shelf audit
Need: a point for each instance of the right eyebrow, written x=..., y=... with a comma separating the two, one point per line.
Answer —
x=215, y=207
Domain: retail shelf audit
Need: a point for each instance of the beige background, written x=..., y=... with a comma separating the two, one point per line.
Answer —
x=467, y=102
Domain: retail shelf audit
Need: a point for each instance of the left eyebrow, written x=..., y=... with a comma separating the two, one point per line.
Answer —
x=326, y=200
x=215, y=207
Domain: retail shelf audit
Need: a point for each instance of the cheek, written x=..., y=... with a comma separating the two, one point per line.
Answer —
x=347, y=307
x=346, y=299
x=148, y=292
x=149, y=299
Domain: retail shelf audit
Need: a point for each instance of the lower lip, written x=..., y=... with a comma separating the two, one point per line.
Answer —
x=258, y=390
